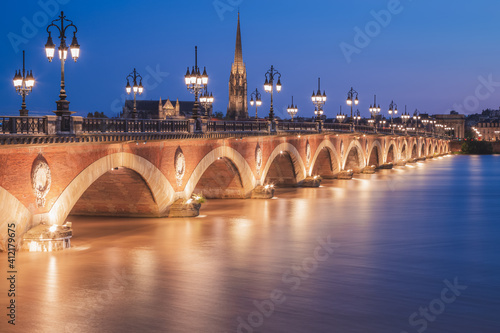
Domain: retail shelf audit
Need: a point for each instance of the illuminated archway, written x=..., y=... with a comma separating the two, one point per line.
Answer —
x=326, y=160
x=13, y=211
x=280, y=151
x=226, y=155
x=162, y=191
x=354, y=157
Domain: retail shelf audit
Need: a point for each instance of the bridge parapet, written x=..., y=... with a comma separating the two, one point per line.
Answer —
x=56, y=129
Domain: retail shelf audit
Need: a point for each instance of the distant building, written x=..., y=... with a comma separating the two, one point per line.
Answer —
x=238, y=104
x=487, y=130
x=160, y=110
x=453, y=120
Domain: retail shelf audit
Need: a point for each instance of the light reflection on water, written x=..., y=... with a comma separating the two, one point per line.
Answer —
x=400, y=233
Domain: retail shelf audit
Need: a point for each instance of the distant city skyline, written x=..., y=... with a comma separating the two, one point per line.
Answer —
x=429, y=56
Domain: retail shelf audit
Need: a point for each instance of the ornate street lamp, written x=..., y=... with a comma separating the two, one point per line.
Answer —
x=24, y=82
x=256, y=99
x=207, y=100
x=269, y=87
x=425, y=121
x=292, y=110
x=357, y=116
x=136, y=88
x=393, y=109
x=416, y=118
x=374, y=110
x=319, y=101
x=405, y=116
x=352, y=101
x=196, y=82
x=433, y=125
x=340, y=116
x=50, y=47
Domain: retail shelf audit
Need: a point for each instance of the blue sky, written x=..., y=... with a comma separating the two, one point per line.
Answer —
x=432, y=55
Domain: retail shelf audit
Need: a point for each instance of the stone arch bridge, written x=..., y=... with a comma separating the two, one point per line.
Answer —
x=143, y=174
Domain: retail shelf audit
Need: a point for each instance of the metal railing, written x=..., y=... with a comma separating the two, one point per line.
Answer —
x=364, y=129
x=76, y=126
x=23, y=125
x=237, y=126
x=105, y=125
x=338, y=127
x=295, y=126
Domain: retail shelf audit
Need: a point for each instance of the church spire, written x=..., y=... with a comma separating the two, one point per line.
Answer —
x=238, y=53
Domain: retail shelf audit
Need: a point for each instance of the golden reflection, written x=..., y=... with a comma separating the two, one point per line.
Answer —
x=52, y=282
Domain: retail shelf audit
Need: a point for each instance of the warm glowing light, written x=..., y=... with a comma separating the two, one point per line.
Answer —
x=53, y=228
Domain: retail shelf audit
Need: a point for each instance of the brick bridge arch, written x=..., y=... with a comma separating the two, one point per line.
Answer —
x=391, y=154
x=335, y=159
x=403, y=151
x=246, y=175
x=12, y=211
x=161, y=189
x=360, y=155
x=297, y=162
x=376, y=145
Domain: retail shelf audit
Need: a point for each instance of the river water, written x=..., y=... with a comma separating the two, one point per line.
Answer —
x=414, y=249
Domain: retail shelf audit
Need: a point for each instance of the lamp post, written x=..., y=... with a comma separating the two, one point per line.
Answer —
x=256, y=99
x=62, y=103
x=136, y=88
x=319, y=101
x=405, y=116
x=292, y=110
x=374, y=110
x=269, y=87
x=393, y=109
x=340, y=116
x=350, y=101
x=357, y=116
x=425, y=121
x=207, y=100
x=24, y=82
x=196, y=82
x=416, y=118
x=431, y=125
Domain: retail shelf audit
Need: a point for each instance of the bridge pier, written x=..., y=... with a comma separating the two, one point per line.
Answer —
x=314, y=181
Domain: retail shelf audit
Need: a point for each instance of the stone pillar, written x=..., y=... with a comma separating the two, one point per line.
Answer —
x=203, y=125
x=272, y=126
x=51, y=125
x=191, y=125
x=319, y=126
x=76, y=125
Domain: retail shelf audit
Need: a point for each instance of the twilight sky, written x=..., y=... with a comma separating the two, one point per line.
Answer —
x=427, y=54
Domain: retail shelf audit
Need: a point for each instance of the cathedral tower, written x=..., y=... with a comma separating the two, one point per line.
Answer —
x=238, y=107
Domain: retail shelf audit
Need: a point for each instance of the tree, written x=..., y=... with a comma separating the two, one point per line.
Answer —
x=219, y=115
x=96, y=114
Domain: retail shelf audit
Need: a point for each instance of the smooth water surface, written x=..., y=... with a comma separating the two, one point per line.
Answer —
x=258, y=265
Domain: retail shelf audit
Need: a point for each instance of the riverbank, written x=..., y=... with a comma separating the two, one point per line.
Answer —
x=475, y=147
